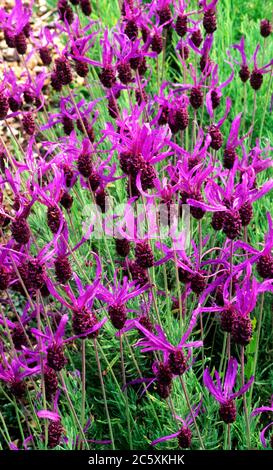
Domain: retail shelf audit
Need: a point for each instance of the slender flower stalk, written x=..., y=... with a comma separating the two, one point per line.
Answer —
x=245, y=398
x=42, y=368
x=254, y=113
x=72, y=409
x=192, y=412
x=200, y=240
x=125, y=393
x=223, y=393
x=83, y=345
x=104, y=393
x=259, y=329
x=126, y=138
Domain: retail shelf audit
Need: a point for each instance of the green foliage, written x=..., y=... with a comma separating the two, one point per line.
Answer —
x=150, y=416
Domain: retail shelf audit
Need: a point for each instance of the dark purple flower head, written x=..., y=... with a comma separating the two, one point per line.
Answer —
x=4, y=103
x=235, y=310
x=256, y=77
x=265, y=28
x=163, y=12
x=33, y=91
x=131, y=21
x=55, y=428
x=209, y=19
x=189, y=270
x=65, y=11
x=16, y=89
x=191, y=180
x=140, y=140
x=120, y=292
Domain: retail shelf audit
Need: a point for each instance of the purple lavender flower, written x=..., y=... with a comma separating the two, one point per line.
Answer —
x=256, y=77
x=55, y=428
x=214, y=95
x=231, y=201
x=84, y=320
x=184, y=435
x=223, y=392
x=16, y=26
x=244, y=72
x=209, y=19
x=53, y=345
x=265, y=28
x=263, y=258
x=117, y=297
x=14, y=371
x=173, y=355
x=205, y=60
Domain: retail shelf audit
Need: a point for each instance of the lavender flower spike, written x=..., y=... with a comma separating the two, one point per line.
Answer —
x=184, y=434
x=223, y=392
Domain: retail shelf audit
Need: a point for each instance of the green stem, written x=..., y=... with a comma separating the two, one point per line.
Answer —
x=125, y=393
x=223, y=353
x=42, y=364
x=19, y=421
x=8, y=438
x=104, y=393
x=141, y=376
x=230, y=293
x=266, y=103
x=172, y=409
x=244, y=397
x=157, y=72
x=229, y=436
x=191, y=412
x=194, y=129
x=253, y=116
x=178, y=291
x=199, y=262
x=259, y=327
x=245, y=107
x=71, y=407
x=165, y=32
x=83, y=382
x=154, y=299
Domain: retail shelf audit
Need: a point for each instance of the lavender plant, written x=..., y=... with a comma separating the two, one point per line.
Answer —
x=136, y=237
